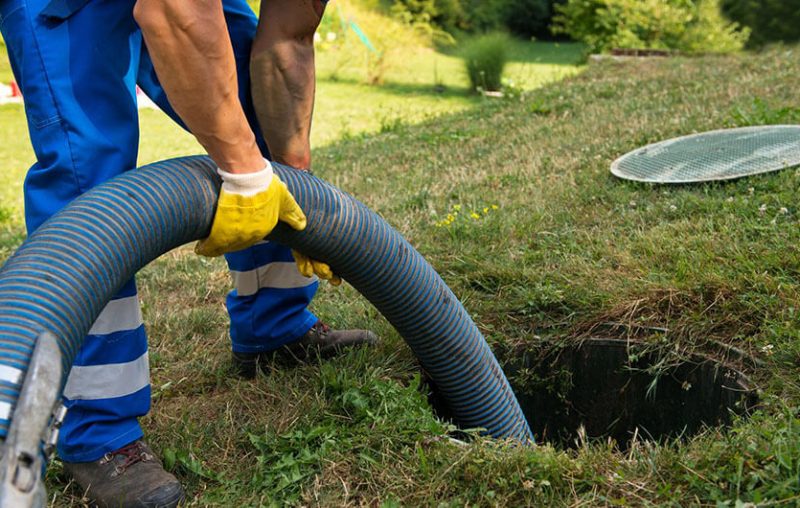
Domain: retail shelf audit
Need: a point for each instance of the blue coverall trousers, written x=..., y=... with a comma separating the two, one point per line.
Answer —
x=77, y=63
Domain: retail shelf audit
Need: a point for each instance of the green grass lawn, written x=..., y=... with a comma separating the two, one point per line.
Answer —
x=568, y=249
x=419, y=84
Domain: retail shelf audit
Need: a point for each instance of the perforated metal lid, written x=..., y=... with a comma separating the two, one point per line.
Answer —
x=714, y=155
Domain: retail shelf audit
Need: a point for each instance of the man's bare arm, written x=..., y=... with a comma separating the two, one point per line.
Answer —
x=283, y=78
x=193, y=57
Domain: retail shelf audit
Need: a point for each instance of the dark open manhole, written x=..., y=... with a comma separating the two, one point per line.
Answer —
x=613, y=388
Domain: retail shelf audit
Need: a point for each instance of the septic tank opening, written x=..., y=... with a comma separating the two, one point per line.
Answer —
x=617, y=389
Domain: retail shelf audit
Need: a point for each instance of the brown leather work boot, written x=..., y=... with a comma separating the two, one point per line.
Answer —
x=131, y=477
x=320, y=342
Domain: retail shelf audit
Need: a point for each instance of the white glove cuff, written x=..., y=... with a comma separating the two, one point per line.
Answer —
x=247, y=184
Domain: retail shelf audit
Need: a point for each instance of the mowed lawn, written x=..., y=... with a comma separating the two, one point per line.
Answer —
x=419, y=84
x=561, y=247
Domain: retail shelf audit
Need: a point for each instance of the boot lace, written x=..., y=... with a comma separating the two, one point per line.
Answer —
x=322, y=329
x=131, y=454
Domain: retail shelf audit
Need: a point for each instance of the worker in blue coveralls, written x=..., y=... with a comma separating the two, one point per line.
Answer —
x=77, y=63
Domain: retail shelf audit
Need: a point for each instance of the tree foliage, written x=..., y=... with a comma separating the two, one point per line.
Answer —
x=529, y=18
x=769, y=20
x=692, y=26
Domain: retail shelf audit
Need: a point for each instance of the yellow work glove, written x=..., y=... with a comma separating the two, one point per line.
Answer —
x=309, y=267
x=249, y=207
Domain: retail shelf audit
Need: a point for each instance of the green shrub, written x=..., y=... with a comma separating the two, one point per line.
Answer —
x=685, y=25
x=485, y=15
x=530, y=18
x=770, y=20
x=485, y=58
x=415, y=11
x=450, y=16
x=444, y=14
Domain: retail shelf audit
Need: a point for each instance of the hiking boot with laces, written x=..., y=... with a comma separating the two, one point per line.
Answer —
x=131, y=477
x=320, y=342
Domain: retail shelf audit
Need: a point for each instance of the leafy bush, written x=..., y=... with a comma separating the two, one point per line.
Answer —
x=770, y=20
x=450, y=15
x=530, y=18
x=415, y=11
x=447, y=15
x=522, y=17
x=485, y=15
x=485, y=58
x=453, y=15
x=685, y=25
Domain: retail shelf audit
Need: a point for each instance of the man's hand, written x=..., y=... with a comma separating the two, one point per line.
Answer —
x=249, y=207
x=309, y=267
x=282, y=77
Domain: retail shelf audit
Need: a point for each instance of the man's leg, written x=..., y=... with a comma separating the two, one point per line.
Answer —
x=268, y=306
x=76, y=67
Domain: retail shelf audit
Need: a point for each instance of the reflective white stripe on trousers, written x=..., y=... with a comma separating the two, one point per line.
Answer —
x=278, y=275
x=108, y=381
x=118, y=316
x=93, y=382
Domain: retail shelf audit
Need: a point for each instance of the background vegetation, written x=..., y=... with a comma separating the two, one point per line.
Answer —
x=485, y=58
x=526, y=18
x=569, y=252
x=769, y=20
x=688, y=26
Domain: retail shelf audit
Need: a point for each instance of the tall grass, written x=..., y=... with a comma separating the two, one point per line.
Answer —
x=485, y=58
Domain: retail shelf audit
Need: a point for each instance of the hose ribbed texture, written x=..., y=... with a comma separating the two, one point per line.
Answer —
x=67, y=271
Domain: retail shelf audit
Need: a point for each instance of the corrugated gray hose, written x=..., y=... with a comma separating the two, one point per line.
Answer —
x=66, y=272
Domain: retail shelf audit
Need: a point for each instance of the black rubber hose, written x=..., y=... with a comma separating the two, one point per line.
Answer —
x=66, y=272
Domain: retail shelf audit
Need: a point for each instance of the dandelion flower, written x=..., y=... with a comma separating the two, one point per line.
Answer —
x=474, y=215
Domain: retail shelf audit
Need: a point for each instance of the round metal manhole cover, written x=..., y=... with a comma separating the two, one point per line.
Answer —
x=715, y=155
